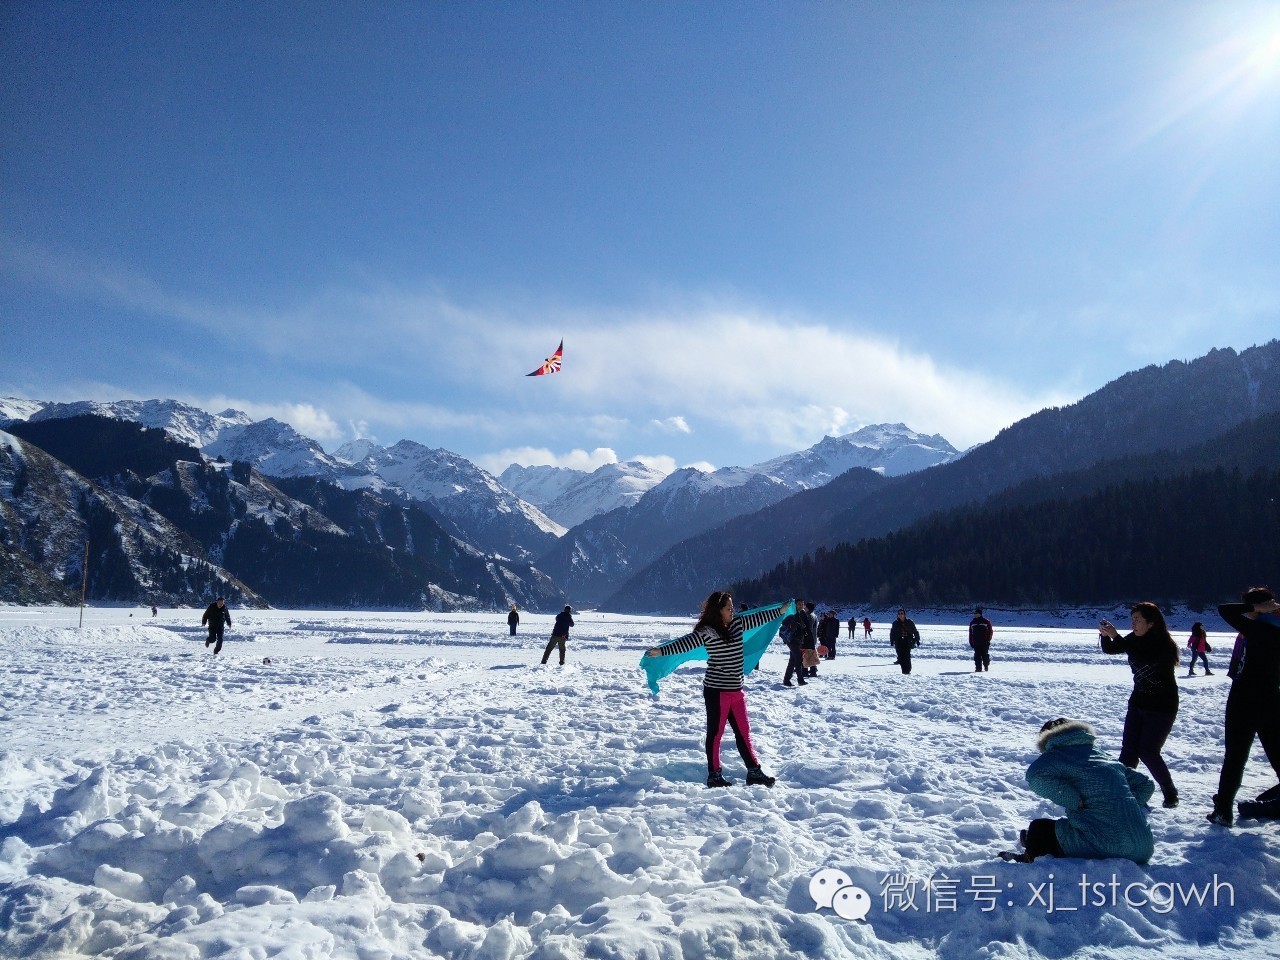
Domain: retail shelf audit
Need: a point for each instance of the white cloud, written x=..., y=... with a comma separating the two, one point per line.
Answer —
x=465, y=366
x=701, y=465
x=672, y=425
x=308, y=420
x=660, y=462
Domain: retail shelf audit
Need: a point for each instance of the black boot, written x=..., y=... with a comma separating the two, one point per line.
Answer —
x=716, y=779
x=1170, y=799
x=1221, y=815
x=757, y=777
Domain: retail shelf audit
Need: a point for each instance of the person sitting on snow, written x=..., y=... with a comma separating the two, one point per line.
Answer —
x=1104, y=800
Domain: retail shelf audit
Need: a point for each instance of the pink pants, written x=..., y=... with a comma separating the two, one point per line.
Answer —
x=727, y=706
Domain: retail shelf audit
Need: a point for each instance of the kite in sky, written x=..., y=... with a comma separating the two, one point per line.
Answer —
x=551, y=364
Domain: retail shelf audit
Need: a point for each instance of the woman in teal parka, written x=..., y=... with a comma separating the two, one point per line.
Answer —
x=1104, y=799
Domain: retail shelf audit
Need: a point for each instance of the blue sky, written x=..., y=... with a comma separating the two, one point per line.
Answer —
x=751, y=223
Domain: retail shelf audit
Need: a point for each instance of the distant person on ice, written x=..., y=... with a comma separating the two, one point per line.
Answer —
x=853, y=625
x=904, y=636
x=866, y=628
x=1103, y=799
x=559, y=634
x=218, y=617
x=1255, y=692
x=721, y=632
x=513, y=620
x=980, y=633
x=828, y=634
x=1153, y=705
x=1198, y=644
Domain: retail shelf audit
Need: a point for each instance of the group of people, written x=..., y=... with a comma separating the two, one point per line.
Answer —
x=1104, y=799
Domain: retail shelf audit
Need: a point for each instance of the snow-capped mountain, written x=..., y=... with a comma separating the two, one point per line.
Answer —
x=891, y=449
x=277, y=450
x=590, y=559
x=493, y=518
x=16, y=408
x=571, y=497
x=49, y=512
x=540, y=484
x=180, y=420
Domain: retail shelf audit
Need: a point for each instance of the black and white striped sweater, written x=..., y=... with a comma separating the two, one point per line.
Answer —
x=724, y=654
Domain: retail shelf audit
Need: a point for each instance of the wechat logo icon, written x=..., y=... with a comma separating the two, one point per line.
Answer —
x=834, y=890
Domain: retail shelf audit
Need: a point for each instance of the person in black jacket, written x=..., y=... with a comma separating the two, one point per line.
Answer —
x=829, y=633
x=904, y=636
x=811, y=641
x=980, y=632
x=798, y=630
x=559, y=634
x=218, y=617
x=1251, y=704
x=513, y=620
x=1153, y=705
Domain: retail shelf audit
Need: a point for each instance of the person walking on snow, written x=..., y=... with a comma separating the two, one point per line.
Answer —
x=1153, y=705
x=559, y=634
x=721, y=633
x=1198, y=644
x=980, y=632
x=218, y=617
x=904, y=636
x=798, y=632
x=1103, y=799
x=866, y=628
x=853, y=624
x=513, y=620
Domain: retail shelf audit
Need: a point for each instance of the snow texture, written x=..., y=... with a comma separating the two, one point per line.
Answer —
x=400, y=785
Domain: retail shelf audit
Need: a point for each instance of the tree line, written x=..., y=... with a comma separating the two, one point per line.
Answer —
x=1198, y=537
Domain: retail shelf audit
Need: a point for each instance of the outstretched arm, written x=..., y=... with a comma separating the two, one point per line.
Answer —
x=683, y=644
x=757, y=617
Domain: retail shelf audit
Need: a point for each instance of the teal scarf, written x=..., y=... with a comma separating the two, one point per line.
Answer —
x=754, y=643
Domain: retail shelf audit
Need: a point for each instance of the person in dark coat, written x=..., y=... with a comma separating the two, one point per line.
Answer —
x=980, y=632
x=904, y=636
x=218, y=617
x=1153, y=705
x=1251, y=704
x=559, y=634
x=799, y=633
x=853, y=624
x=513, y=620
x=811, y=642
x=829, y=633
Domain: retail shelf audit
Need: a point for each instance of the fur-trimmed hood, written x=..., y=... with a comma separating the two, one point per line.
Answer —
x=1042, y=740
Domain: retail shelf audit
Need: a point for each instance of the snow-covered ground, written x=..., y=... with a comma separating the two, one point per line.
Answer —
x=417, y=786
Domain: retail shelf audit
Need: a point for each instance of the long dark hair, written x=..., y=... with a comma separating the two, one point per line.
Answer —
x=1151, y=613
x=1197, y=629
x=710, y=615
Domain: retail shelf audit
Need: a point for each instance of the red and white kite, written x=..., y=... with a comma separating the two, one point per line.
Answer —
x=551, y=364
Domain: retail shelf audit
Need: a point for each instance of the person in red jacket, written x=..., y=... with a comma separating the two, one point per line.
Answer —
x=1198, y=644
